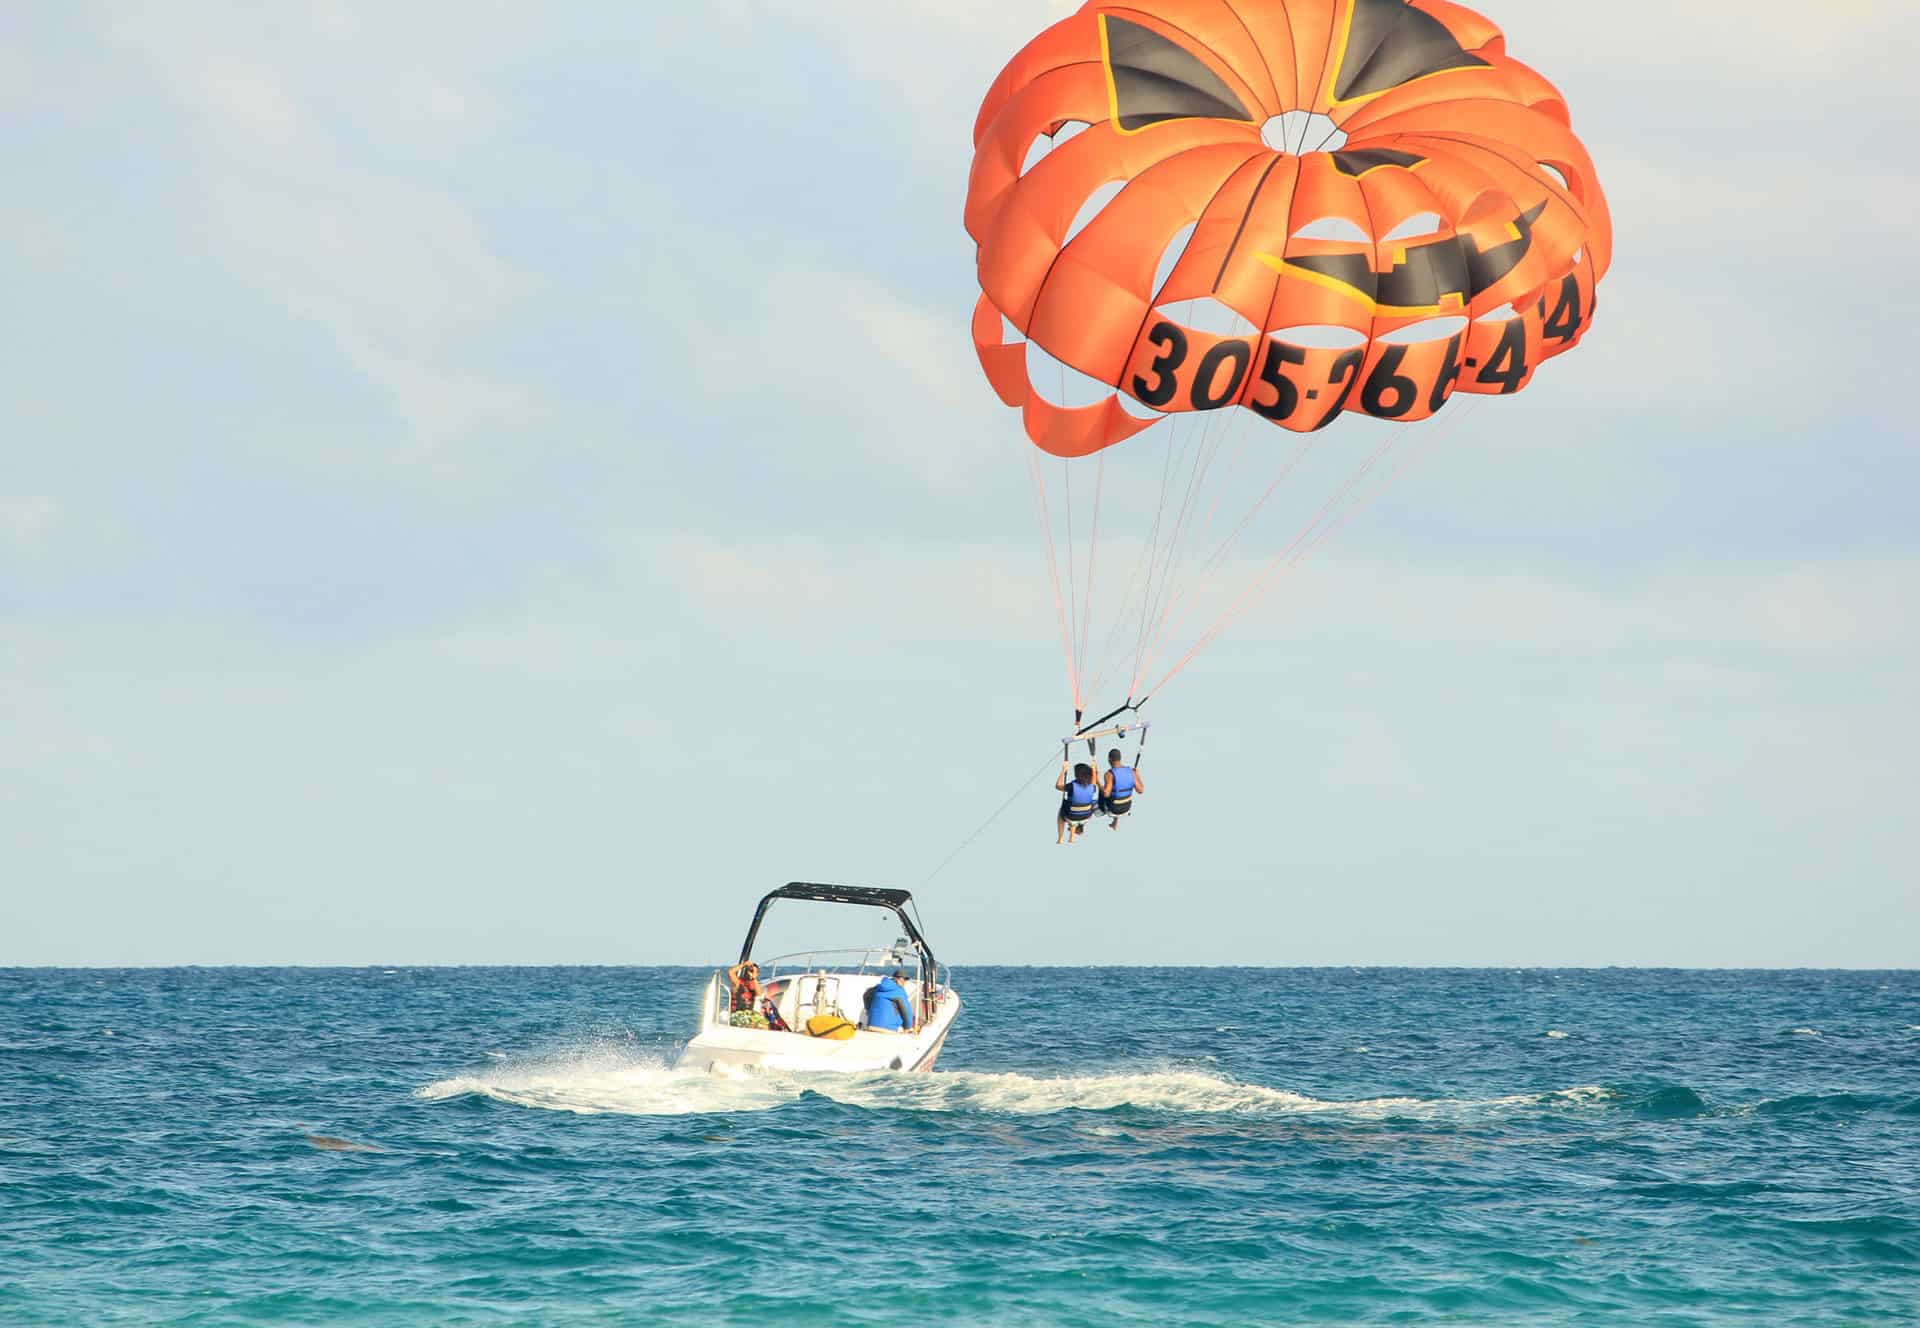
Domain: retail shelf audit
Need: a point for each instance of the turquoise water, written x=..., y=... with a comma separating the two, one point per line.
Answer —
x=1100, y=1146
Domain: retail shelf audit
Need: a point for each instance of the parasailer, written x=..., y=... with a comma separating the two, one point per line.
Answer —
x=1201, y=212
x=1119, y=783
x=1079, y=800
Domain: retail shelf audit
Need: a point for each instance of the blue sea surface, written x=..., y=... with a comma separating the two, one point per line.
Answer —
x=423, y=1146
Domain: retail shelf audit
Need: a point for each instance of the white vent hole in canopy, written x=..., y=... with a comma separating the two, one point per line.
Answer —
x=1301, y=132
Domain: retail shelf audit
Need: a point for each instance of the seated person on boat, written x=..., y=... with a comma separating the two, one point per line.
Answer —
x=889, y=1007
x=744, y=978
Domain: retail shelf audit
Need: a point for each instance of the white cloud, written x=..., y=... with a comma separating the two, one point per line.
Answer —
x=399, y=273
x=937, y=61
x=803, y=585
x=1679, y=206
x=18, y=86
x=1829, y=607
x=251, y=105
x=27, y=523
x=1814, y=609
x=851, y=337
x=1720, y=45
x=854, y=348
x=44, y=539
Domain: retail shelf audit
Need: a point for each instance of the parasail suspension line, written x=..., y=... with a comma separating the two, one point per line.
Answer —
x=1161, y=605
x=1093, y=550
x=1053, y=569
x=997, y=814
x=1332, y=517
x=1073, y=641
x=1114, y=713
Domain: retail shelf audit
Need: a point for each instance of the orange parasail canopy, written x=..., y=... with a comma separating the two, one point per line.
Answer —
x=1451, y=243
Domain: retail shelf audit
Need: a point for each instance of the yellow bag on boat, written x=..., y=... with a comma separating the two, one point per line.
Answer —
x=829, y=1026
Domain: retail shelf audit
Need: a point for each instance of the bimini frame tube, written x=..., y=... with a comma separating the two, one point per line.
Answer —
x=869, y=896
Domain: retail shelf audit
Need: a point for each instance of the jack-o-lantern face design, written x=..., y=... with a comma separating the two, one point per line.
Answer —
x=1451, y=243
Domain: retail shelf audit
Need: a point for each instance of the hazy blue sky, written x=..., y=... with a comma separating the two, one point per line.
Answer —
x=509, y=483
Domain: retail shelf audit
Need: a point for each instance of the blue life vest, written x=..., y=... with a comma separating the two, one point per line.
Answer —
x=1122, y=783
x=1081, y=800
x=882, y=1011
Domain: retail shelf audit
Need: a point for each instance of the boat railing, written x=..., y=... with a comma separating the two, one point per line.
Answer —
x=874, y=958
x=717, y=1001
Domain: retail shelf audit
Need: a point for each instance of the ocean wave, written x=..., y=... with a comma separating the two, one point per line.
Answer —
x=1670, y=1102
x=611, y=1082
x=1845, y=1104
x=1837, y=1105
x=1880, y=1224
x=1701, y=1191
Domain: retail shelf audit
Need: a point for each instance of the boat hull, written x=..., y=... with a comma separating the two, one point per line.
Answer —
x=725, y=1049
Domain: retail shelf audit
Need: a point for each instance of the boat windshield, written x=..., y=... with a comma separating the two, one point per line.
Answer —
x=845, y=959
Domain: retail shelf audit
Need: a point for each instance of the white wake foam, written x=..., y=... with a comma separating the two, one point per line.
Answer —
x=598, y=1082
x=608, y=1081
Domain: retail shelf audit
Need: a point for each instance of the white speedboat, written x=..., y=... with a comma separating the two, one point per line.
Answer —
x=821, y=997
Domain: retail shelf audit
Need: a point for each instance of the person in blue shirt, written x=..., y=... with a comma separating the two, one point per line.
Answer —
x=889, y=1007
x=1117, y=786
x=1079, y=801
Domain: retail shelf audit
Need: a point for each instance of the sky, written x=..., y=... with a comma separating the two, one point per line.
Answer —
x=485, y=483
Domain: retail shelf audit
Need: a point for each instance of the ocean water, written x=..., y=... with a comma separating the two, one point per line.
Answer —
x=1100, y=1146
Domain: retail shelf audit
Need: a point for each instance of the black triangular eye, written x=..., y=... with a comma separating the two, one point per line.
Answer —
x=1154, y=79
x=1389, y=43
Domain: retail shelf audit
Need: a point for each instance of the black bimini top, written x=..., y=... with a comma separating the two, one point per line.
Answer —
x=870, y=896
